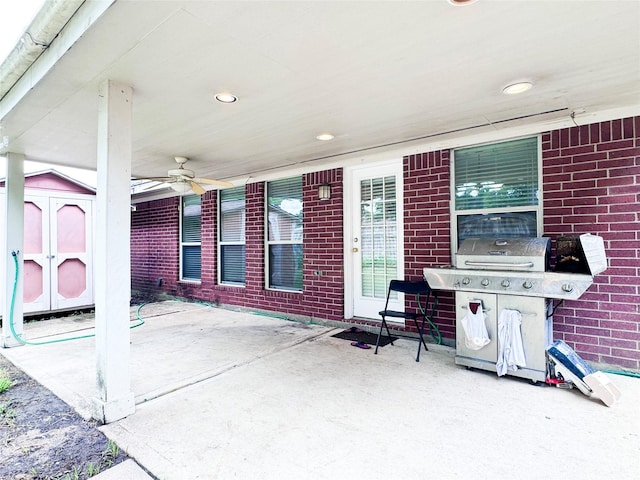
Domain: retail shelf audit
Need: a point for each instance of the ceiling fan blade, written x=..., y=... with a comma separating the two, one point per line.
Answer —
x=208, y=181
x=154, y=184
x=196, y=188
x=154, y=179
x=147, y=183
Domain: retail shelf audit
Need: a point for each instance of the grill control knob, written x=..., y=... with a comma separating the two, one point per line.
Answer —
x=566, y=287
x=466, y=281
x=484, y=282
x=527, y=284
x=505, y=283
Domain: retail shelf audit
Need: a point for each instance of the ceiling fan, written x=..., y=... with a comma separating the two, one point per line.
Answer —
x=183, y=180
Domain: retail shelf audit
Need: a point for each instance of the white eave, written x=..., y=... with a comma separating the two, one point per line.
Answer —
x=53, y=31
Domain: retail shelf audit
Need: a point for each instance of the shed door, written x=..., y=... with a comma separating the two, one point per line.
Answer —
x=57, y=257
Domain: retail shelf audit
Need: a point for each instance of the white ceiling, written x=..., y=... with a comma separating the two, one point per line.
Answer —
x=371, y=73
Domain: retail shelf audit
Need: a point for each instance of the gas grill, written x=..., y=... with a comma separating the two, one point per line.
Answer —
x=512, y=274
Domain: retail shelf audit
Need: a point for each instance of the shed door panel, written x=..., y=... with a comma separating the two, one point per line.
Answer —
x=36, y=269
x=71, y=279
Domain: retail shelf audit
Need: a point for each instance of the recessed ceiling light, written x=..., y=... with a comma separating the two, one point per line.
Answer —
x=325, y=136
x=225, y=97
x=459, y=3
x=516, y=88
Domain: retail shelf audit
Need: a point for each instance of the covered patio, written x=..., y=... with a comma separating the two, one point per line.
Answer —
x=227, y=394
x=125, y=87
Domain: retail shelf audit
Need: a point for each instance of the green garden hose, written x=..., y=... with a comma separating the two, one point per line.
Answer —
x=58, y=340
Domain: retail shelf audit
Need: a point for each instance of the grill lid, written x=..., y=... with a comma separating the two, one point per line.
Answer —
x=586, y=254
x=520, y=254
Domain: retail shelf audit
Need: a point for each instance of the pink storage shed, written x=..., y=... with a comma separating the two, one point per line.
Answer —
x=58, y=242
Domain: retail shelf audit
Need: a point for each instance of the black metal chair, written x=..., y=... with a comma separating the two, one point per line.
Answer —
x=423, y=292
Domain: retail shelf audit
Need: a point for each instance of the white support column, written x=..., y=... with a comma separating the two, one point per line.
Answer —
x=114, y=400
x=13, y=242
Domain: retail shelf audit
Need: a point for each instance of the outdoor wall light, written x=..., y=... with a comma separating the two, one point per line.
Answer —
x=324, y=191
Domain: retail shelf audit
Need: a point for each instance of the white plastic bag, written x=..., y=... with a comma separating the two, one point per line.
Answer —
x=475, y=330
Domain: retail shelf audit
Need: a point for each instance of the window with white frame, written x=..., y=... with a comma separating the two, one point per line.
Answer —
x=284, y=234
x=190, y=245
x=231, y=235
x=496, y=191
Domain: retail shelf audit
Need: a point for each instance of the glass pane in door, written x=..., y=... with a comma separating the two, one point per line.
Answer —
x=379, y=235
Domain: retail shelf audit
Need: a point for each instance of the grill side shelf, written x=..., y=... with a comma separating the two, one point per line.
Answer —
x=538, y=284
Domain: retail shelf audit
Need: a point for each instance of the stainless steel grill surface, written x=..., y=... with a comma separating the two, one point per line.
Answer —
x=522, y=254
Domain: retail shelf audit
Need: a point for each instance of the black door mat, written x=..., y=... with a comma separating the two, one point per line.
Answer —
x=354, y=334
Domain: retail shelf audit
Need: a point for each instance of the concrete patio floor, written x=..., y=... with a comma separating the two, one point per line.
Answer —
x=223, y=394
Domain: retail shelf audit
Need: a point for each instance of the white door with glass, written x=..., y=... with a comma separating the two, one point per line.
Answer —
x=374, y=230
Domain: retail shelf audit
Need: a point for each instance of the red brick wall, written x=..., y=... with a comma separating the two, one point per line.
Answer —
x=323, y=276
x=427, y=233
x=154, y=245
x=592, y=185
x=323, y=247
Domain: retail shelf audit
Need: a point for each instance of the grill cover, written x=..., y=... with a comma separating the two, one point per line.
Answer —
x=515, y=254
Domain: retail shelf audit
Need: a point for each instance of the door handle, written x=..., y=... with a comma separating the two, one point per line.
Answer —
x=354, y=249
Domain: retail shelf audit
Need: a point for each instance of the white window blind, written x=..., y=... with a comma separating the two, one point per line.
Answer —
x=284, y=234
x=232, y=235
x=190, y=238
x=496, y=190
x=497, y=176
x=379, y=236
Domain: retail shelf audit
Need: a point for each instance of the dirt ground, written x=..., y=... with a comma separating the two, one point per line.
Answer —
x=42, y=438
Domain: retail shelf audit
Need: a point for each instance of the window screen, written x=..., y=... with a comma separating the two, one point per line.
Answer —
x=190, y=237
x=232, y=235
x=284, y=234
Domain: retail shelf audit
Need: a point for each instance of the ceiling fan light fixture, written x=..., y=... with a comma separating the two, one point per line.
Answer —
x=516, y=88
x=181, y=187
x=226, y=97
